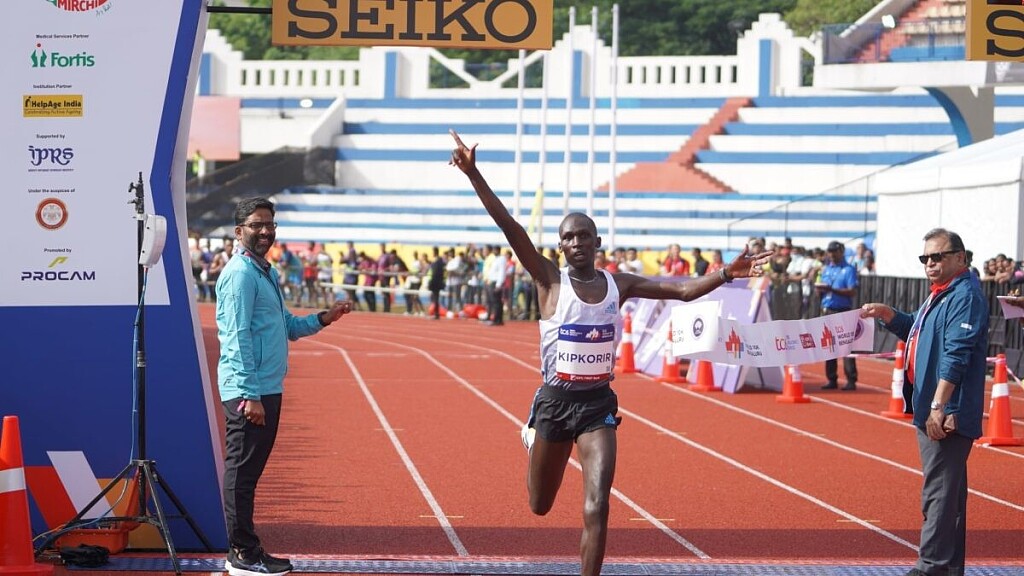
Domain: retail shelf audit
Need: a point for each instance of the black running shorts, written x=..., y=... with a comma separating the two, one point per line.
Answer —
x=561, y=415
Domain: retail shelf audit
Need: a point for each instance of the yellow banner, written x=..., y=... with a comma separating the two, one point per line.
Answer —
x=995, y=30
x=494, y=24
x=52, y=105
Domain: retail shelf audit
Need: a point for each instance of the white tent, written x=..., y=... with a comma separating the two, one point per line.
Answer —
x=975, y=191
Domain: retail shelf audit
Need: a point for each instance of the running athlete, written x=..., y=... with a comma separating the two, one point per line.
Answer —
x=580, y=326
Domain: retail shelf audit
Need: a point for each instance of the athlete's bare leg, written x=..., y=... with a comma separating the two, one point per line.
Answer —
x=544, y=477
x=596, y=452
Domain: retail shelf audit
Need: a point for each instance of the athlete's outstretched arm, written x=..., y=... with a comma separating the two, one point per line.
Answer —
x=743, y=266
x=539, y=267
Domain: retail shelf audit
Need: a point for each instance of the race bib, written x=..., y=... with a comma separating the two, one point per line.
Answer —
x=585, y=353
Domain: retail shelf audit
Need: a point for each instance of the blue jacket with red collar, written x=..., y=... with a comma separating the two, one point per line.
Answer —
x=951, y=345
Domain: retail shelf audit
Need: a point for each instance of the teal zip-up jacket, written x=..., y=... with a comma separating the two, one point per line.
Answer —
x=951, y=345
x=254, y=326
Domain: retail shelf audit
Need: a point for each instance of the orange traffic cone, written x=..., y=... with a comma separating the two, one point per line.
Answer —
x=792, y=387
x=669, y=364
x=896, y=399
x=16, y=554
x=1000, y=429
x=625, y=363
x=705, y=377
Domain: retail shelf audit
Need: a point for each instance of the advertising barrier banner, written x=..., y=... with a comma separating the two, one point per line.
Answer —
x=95, y=94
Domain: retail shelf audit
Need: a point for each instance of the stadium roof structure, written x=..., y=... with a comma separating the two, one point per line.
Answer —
x=975, y=191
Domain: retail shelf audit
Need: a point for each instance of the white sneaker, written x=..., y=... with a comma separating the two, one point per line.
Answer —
x=527, y=434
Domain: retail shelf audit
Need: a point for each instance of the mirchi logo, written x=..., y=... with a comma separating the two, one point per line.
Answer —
x=733, y=345
x=828, y=340
x=79, y=5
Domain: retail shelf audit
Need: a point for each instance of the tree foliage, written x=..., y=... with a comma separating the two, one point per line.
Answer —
x=647, y=27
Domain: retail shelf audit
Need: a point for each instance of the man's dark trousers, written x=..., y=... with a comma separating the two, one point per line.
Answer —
x=943, y=503
x=248, y=447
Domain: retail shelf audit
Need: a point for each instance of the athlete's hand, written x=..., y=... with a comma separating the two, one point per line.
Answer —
x=463, y=157
x=746, y=264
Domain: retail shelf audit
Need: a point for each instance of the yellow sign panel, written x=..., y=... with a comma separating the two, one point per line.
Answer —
x=494, y=24
x=995, y=30
x=52, y=105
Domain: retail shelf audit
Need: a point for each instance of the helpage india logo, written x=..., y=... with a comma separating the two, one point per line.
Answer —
x=81, y=5
x=52, y=105
x=42, y=59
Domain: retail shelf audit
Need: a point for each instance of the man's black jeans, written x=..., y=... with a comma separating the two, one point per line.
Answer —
x=248, y=447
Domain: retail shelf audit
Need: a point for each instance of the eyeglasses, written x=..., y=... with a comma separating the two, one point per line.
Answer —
x=935, y=257
x=257, y=226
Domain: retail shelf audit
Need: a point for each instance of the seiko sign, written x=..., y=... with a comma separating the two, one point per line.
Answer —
x=497, y=24
x=995, y=30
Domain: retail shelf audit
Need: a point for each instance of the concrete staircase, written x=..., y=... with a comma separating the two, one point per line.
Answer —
x=678, y=173
x=879, y=49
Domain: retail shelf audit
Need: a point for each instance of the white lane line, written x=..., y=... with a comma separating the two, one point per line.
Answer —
x=442, y=519
x=777, y=483
x=832, y=443
x=765, y=419
x=904, y=423
x=519, y=424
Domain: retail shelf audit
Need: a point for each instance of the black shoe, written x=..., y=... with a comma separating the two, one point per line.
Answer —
x=850, y=386
x=256, y=563
x=830, y=386
x=916, y=572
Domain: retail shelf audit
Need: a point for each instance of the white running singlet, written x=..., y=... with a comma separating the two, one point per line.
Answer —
x=578, y=342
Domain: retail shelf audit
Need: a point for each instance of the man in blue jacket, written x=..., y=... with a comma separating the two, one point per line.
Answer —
x=254, y=327
x=945, y=362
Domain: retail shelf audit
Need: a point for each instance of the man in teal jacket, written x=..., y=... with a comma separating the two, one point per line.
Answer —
x=254, y=327
x=946, y=346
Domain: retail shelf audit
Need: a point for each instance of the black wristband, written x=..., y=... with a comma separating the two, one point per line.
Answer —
x=724, y=275
x=320, y=319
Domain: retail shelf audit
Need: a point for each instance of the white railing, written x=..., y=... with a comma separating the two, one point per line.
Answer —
x=637, y=76
x=295, y=77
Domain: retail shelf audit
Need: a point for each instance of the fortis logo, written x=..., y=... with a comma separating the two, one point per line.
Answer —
x=54, y=273
x=60, y=156
x=43, y=59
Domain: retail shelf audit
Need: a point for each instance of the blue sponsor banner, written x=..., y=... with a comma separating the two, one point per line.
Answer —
x=106, y=91
x=586, y=333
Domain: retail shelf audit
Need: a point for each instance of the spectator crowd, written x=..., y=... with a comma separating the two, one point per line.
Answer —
x=489, y=276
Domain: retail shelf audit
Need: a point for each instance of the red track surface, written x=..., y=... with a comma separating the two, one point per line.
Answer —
x=713, y=477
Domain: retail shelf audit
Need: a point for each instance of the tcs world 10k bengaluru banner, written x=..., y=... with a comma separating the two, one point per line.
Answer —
x=699, y=330
x=96, y=92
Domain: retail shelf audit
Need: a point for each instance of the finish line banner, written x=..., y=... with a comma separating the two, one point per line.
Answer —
x=699, y=331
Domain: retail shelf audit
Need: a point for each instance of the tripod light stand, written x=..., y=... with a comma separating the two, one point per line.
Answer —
x=140, y=472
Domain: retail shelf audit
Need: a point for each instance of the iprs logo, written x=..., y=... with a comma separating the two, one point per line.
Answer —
x=42, y=59
x=50, y=159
